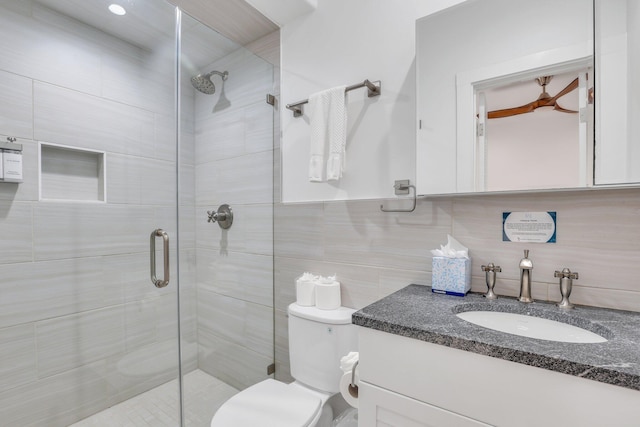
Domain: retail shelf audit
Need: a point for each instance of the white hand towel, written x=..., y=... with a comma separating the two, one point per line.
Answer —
x=328, y=120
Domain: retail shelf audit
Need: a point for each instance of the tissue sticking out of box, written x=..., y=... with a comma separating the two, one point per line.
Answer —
x=451, y=269
x=453, y=249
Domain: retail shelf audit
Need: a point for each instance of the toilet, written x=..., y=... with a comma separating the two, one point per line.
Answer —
x=317, y=340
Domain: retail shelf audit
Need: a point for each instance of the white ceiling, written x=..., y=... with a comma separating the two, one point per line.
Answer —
x=149, y=23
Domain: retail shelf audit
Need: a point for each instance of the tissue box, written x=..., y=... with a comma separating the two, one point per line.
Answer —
x=451, y=276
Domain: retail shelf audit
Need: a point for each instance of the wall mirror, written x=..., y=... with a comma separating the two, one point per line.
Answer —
x=512, y=98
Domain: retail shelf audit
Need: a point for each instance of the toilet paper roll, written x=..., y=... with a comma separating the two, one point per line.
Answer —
x=305, y=292
x=328, y=295
x=348, y=393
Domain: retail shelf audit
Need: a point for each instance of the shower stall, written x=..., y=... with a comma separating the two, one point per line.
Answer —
x=117, y=288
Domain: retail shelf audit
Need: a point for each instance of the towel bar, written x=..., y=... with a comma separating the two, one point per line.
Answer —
x=373, y=89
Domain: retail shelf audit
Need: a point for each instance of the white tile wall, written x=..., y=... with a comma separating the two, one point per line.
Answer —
x=234, y=165
x=72, y=341
x=17, y=354
x=375, y=254
x=76, y=299
x=56, y=400
x=67, y=117
x=16, y=228
x=16, y=105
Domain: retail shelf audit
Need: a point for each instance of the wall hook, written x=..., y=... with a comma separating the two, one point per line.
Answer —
x=402, y=187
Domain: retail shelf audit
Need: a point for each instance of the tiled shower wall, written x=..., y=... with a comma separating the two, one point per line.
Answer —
x=375, y=253
x=234, y=166
x=77, y=310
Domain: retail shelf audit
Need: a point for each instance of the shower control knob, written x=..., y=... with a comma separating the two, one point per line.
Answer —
x=223, y=216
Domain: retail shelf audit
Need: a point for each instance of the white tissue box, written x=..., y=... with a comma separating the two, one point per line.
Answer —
x=451, y=276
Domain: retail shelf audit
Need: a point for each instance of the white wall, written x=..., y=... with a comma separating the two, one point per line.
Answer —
x=343, y=43
x=375, y=253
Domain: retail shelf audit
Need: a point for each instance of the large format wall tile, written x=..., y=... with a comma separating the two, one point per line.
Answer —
x=16, y=105
x=594, y=230
x=54, y=55
x=48, y=289
x=299, y=231
x=230, y=362
x=140, y=180
x=17, y=354
x=16, y=231
x=360, y=233
x=239, y=275
x=56, y=401
x=69, y=342
x=67, y=117
x=244, y=323
x=70, y=230
x=252, y=230
x=238, y=180
x=140, y=78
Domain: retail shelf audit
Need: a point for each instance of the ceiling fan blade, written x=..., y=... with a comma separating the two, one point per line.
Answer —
x=557, y=107
x=571, y=86
x=508, y=112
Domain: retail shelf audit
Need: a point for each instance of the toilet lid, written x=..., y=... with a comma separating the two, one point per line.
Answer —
x=269, y=403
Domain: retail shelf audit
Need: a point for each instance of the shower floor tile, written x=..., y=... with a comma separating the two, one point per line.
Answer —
x=159, y=407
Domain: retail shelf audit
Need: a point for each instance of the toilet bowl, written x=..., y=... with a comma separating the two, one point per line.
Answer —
x=317, y=341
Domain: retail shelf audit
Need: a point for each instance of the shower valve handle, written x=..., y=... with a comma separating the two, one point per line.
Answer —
x=223, y=216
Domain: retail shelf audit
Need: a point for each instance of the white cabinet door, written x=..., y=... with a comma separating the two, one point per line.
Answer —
x=383, y=408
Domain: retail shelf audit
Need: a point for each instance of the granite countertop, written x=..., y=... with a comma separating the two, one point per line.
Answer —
x=416, y=312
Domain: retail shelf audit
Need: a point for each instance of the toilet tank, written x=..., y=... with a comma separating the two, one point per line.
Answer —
x=317, y=341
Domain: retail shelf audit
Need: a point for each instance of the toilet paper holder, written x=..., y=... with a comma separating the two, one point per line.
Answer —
x=353, y=388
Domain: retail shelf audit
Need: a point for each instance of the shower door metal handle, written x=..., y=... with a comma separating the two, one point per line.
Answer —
x=165, y=243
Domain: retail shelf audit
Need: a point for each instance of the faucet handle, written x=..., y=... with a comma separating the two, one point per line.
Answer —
x=491, y=269
x=566, y=283
x=566, y=273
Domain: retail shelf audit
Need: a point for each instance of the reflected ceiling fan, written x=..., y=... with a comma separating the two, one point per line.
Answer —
x=544, y=100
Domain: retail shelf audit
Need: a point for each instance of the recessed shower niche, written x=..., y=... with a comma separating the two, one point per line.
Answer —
x=69, y=173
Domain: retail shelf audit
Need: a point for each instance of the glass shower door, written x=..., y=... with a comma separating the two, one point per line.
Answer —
x=89, y=97
x=227, y=153
x=123, y=155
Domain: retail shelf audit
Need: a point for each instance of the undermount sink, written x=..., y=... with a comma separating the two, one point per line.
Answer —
x=530, y=326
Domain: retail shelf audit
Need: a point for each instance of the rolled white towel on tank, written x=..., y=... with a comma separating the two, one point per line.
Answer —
x=328, y=293
x=306, y=289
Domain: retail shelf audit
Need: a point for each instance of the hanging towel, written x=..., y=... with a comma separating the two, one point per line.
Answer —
x=328, y=120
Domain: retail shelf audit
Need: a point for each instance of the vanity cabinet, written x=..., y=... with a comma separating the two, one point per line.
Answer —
x=406, y=382
x=382, y=408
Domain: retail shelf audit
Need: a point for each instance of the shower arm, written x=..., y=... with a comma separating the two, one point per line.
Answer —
x=223, y=75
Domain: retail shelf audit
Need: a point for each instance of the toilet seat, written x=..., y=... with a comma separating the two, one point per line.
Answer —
x=269, y=403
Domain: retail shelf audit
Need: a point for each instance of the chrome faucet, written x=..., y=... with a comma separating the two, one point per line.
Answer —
x=525, y=278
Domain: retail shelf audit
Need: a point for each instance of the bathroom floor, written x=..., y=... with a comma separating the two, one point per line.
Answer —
x=159, y=407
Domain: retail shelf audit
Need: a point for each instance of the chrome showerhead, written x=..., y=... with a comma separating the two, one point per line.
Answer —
x=203, y=83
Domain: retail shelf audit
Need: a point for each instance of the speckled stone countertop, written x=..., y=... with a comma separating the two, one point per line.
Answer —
x=416, y=312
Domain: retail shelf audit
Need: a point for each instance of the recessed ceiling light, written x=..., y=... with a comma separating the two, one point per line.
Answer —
x=116, y=9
